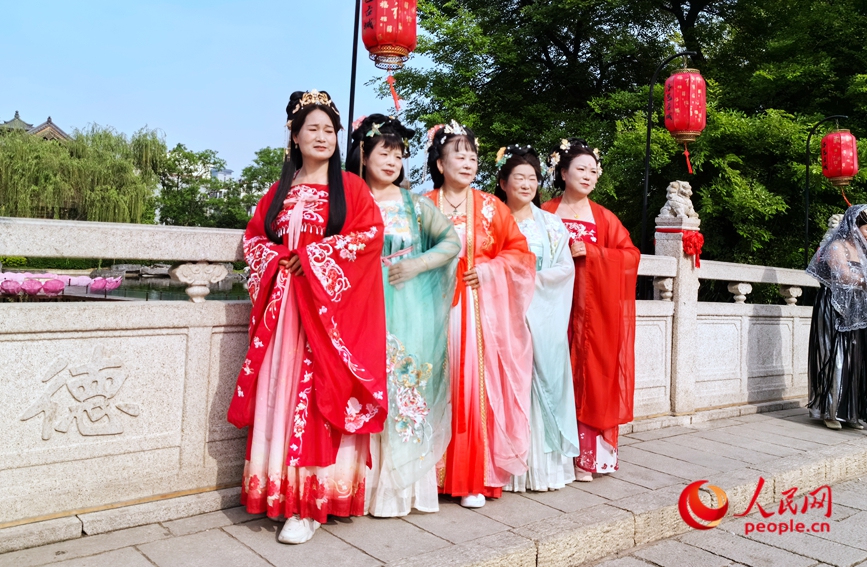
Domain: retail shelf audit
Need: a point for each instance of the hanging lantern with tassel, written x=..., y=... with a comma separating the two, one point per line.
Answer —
x=685, y=107
x=388, y=30
x=839, y=157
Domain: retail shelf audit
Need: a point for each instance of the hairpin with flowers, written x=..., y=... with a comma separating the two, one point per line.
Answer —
x=367, y=128
x=565, y=146
x=452, y=128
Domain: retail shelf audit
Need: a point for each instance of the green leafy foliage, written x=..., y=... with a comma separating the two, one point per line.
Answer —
x=98, y=175
x=257, y=177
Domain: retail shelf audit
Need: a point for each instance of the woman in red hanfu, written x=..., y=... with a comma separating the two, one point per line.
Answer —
x=312, y=387
x=490, y=349
x=602, y=331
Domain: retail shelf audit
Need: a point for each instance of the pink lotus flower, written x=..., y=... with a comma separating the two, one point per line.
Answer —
x=31, y=287
x=10, y=287
x=82, y=281
x=113, y=283
x=53, y=287
x=97, y=285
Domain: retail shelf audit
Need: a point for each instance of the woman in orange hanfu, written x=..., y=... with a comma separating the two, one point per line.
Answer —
x=602, y=329
x=313, y=385
x=490, y=348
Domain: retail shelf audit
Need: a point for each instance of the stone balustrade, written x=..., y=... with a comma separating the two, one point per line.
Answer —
x=740, y=276
x=116, y=402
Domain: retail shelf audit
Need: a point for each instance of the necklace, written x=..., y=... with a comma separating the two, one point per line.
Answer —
x=455, y=207
x=574, y=212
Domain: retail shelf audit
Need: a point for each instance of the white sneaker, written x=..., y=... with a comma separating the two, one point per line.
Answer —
x=473, y=501
x=296, y=530
x=583, y=476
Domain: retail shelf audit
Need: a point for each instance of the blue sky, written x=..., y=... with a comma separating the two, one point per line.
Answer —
x=212, y=75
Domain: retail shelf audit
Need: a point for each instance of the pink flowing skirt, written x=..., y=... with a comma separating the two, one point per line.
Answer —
x=271, y=484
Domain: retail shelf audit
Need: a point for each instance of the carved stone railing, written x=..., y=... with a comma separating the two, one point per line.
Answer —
x=725, y=354
x=790, y=282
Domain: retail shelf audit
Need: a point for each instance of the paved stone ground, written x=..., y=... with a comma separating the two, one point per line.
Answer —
x=631, y=512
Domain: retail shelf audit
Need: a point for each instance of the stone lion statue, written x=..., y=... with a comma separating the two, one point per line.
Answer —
x=678, y=202
x=833, y=223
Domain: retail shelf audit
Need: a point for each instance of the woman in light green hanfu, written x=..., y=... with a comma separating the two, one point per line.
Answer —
x=419, y=260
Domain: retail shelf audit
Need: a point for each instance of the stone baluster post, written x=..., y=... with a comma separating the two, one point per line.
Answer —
x=685, y=357
x=740, y=291
x=198, y=276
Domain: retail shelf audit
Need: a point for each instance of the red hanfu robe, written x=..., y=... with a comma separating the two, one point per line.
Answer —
x=319, y=341
x=490, y=352
x=602, y=330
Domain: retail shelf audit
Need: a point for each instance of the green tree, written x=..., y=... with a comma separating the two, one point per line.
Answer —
x=98, y=175
x=192, y=196
x=257, y=177
x=230, y=205
x=533, y=71
x=520, y=71
x=186, y=186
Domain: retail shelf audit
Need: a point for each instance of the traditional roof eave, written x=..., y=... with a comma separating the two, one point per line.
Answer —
x=16, y=123
x=48, y=130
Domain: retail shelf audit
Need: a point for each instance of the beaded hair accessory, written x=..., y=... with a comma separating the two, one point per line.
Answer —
x=505, y=154
x=389, y=123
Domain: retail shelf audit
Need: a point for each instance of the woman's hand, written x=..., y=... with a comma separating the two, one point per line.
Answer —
x=579, y=249
x=293, y=264
x=405, y=270
x=471, y=278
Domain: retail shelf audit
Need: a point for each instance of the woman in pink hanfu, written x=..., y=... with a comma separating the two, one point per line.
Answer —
x=490, y=348
x=313, y=385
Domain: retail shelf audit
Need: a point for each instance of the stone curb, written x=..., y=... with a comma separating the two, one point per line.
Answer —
x=703, y=416
x=159, y=511
x=39, y=533
x=61, y=529
x=569, y=539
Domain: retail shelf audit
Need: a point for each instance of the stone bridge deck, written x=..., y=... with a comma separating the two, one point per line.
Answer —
x=579, y=525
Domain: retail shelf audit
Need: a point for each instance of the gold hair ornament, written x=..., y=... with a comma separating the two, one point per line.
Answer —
x=317, y=98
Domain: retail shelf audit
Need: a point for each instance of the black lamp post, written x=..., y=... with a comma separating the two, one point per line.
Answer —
x=352, y=74
x=807, y=186
x=643, y=245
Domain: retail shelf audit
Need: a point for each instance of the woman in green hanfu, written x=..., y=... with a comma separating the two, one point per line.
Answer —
x=419, y=260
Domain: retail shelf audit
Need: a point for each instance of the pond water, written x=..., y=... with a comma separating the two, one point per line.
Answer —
x=160, y=290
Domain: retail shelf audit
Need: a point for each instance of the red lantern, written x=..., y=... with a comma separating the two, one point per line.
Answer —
x=685, y=107
x=839, y=157
x=389, y=31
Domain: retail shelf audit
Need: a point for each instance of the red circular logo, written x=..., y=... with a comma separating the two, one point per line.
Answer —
x=694, y=511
